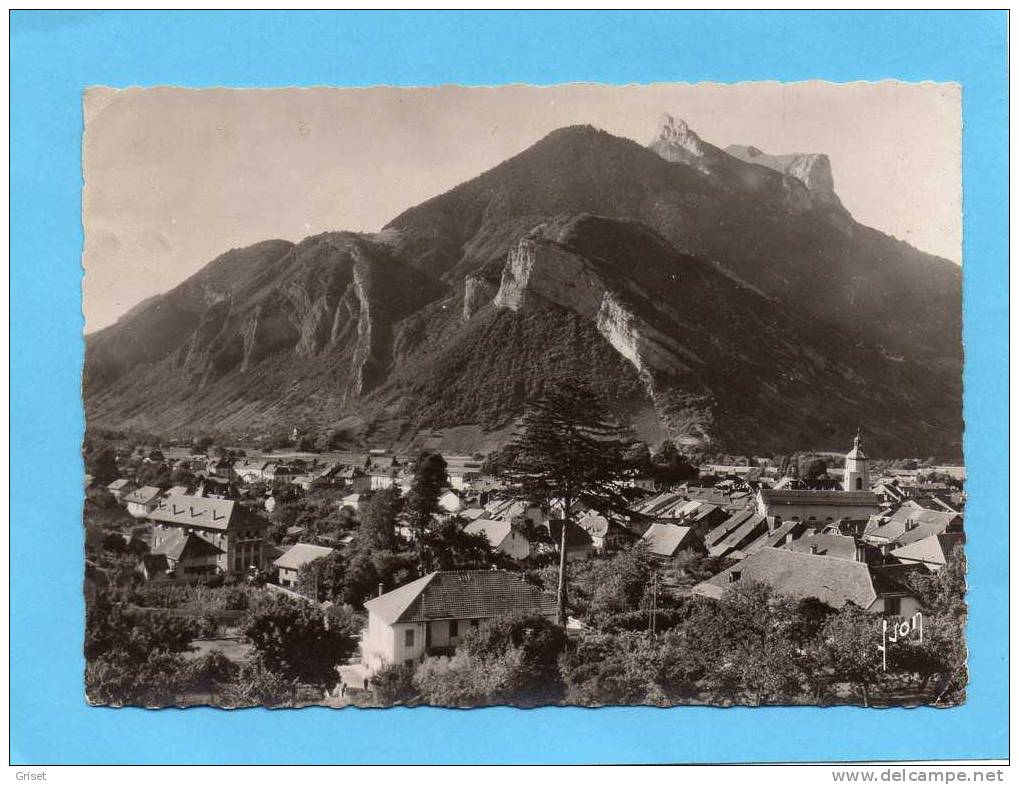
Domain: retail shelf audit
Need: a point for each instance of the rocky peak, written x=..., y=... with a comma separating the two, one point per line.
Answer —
x=675, y=140
x=811, y=169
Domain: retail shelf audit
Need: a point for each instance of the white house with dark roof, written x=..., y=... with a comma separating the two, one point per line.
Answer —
x=290, y=563
x=120, y=488
x=503, y=536
x=236, y=530
x=142, y=501
x=426, y=617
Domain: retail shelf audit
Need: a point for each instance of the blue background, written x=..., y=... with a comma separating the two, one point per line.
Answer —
x=55, y=55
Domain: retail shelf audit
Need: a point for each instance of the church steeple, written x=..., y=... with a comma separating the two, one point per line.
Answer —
x=856, y=476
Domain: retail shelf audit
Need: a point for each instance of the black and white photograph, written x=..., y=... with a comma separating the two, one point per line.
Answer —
x=575, y=395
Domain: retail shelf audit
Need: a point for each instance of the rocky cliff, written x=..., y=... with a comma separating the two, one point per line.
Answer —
x=710, y=298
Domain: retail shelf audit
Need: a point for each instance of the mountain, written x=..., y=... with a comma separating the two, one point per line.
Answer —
x=714, y=297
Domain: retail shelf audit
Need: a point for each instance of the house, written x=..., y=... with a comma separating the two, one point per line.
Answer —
x=831, y=580
x=220, y=467
x=579, y=545
x=738, y=531
x=511, y=509
x=503, y=536
x=911, y=523
x=666, y=541
x=351, y=500
x=290, y=563
x=751, y=528
x=236, y=531
x=451, y=501
x=177, y=490
x=141, y=501
x=777, y=535
x=250, y=470
x=703, y=517
x=304, y=481
x=120, y=488
x=933, y=551
x=179, y=556
x=838, y=546
x=427, y=617
x=380, y=479
x=606, y=534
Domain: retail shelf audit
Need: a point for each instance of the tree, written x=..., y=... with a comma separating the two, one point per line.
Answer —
x=625, y=668
x=292, y=640
x=378, y=520
x=536, y=678
x=447, y=546
x=671, y=466
x=132, y=658
x=569, y=448
x=323, y=578
x=814, y=468
x=509, y=660
x=423, y=498
x=201, y=445
x=394, y=686
x=739, y=648
x=846, y=647
x=102, y=465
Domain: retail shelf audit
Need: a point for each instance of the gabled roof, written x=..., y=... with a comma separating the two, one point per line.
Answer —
x=934, y=549
x=495, y=531
x=117, y=485
x=835, y=545
x=204, y=512
x=838, y=498
x=472, y=594
x=600, y=526
x=155, y=562
x=769, y=539
x=144, y=495
x=666, y=540
x=727, y=526
x=909, y=524
x=302, y=553
x=752, y=527
x=179, y=546
x=799, y=575
x=575, y=536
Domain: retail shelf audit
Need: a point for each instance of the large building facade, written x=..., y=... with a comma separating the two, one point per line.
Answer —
x=239, y=533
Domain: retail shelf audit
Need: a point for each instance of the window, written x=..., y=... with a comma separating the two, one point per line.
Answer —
x=893, y=606
x=454, y=628
x=859, y=483
x=734, y=576
x=408, y=637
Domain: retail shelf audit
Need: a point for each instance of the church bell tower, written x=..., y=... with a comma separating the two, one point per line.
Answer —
x=856, y=477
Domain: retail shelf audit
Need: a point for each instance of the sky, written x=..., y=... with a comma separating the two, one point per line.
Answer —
x=174, y=177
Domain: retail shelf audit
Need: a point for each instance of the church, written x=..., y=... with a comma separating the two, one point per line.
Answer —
x=855, y=501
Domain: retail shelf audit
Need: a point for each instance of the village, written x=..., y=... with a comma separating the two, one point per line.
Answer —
x=398, y=570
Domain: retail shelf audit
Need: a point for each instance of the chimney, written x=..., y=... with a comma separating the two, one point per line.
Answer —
x=381, y=587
